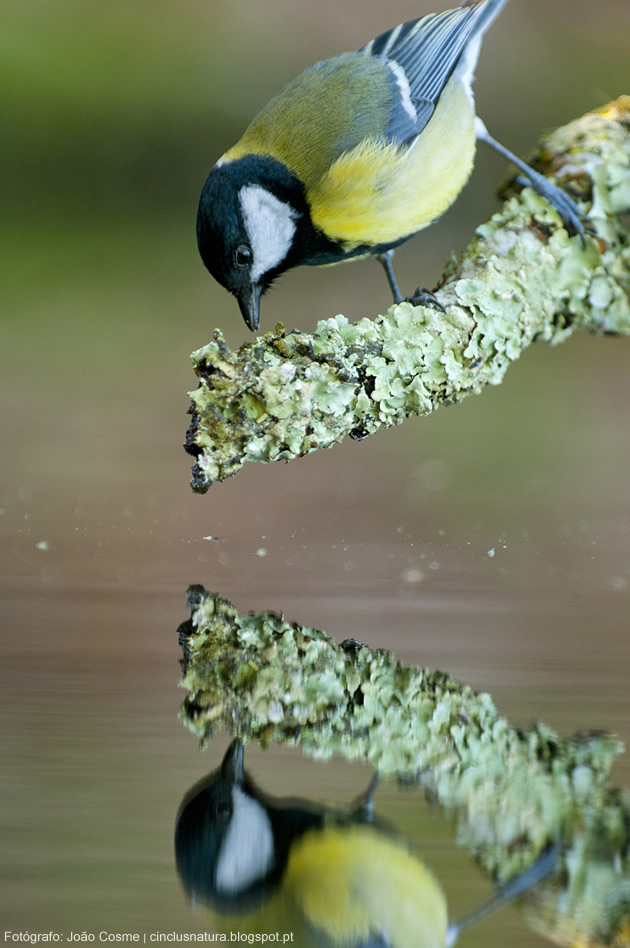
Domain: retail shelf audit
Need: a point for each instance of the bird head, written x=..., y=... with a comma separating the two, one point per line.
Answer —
x=247, y=220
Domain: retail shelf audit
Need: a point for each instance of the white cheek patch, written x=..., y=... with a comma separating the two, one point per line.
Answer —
x=247, y=850
x=270, y=226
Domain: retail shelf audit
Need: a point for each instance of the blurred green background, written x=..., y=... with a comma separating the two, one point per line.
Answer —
x=491, y=540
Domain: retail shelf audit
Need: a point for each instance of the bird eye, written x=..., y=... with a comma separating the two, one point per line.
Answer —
x=243, y=255
x=222, y=811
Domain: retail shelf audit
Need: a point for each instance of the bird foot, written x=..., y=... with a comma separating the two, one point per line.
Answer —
x=566, y=207
x=424, y=297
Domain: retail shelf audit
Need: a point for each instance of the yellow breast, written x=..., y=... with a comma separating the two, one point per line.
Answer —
x=358, y=882
x=378, y=193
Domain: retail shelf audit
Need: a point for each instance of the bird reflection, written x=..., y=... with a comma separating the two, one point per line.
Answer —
x=311, y=875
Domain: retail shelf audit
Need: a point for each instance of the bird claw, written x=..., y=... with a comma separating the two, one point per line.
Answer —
x=424, y=297
x=566, y=207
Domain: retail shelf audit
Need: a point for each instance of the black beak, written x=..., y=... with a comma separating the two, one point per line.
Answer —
x=249, y=303
x=232, y=765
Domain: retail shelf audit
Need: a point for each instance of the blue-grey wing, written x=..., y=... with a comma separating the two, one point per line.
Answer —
x=422, y=56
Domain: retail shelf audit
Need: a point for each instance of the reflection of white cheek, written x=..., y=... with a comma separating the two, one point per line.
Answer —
x=270, y=227
x=247, y=850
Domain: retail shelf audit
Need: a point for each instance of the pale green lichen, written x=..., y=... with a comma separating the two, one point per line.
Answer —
x=522, y=278
x=511, y=791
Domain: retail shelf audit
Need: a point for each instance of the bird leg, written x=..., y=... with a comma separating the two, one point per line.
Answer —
x=514, y=889
x=567, y=208
x=420, y=296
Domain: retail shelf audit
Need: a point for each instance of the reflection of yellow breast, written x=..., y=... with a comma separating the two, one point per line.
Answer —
x=343, y=884
x=378, y=193
x=355, y=882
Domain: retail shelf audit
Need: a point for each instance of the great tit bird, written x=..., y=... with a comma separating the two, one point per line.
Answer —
x=354, y=157
x=319, y=877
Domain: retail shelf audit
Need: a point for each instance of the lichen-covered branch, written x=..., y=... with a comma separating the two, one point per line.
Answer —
x=522, y=278
x=512, y=792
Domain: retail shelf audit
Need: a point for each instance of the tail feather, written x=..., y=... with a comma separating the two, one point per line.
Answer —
x=489, y=11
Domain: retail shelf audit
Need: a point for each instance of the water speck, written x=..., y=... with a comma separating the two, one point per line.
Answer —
x=412, y=575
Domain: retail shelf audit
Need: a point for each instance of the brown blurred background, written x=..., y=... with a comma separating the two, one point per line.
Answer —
x=491, y=540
